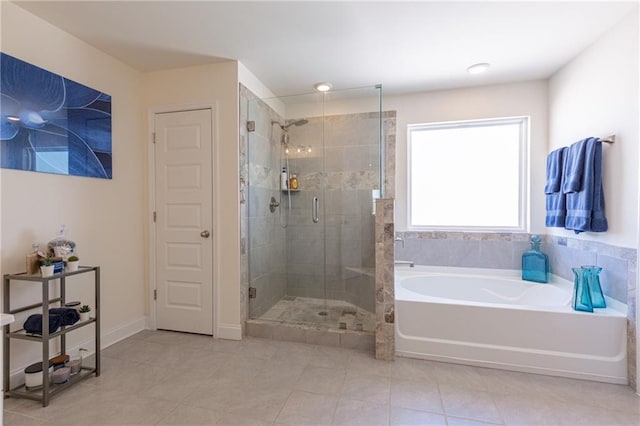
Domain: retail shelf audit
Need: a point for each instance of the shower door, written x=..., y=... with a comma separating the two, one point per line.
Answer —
x=311, y=249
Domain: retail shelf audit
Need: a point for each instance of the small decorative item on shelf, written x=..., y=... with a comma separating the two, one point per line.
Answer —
x=84, y=312
x=46, y=266
x=72, y=263
x=61, y=375
x=33, y=376
x=58, y=264
x=61, y=246
x=33, y=260
x=75, y=363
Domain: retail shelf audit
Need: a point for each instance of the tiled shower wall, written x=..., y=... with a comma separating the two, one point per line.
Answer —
x=504, y=251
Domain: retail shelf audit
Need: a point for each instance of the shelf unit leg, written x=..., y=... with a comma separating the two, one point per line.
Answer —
x=97, y=331
x=45, y=343
x=5, y=337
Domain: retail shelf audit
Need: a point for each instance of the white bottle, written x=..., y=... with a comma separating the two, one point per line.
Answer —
x=284, y=180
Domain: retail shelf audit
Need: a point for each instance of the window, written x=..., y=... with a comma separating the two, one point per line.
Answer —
x=468, y=175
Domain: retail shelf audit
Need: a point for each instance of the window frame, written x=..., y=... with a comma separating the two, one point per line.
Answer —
x=523, y=184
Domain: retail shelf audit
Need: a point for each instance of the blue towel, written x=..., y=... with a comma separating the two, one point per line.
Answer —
x=555, y=198
x=585, y=206
x=575, y=167
x=33, y=324
x=555, y=161
x=68, y=316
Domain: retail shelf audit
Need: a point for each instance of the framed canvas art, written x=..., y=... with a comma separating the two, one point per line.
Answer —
x=51, y=124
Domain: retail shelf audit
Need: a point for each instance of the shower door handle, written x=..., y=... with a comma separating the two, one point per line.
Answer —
x=315, y=204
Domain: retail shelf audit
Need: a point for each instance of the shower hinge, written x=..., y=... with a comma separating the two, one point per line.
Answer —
x=251, y=126
x=155, y=294
x=252, y=292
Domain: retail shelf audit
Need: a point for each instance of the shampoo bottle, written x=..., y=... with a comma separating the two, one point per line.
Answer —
x=535, y=264
x=284, y=180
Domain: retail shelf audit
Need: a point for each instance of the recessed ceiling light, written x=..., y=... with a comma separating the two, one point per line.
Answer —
x=322, y=87
x=478, y=68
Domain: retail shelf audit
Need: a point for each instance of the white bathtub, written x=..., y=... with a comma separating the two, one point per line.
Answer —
x=491, y=318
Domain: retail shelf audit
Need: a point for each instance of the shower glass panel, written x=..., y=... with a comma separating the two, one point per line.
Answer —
x=311, y=248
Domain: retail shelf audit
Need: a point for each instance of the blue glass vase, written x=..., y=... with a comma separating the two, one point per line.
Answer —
x=592, y=275
x=535, y=264
x=581, y=295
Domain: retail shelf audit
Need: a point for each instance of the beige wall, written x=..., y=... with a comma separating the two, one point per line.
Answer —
x=215, y=85
x=104, y=217
x=505, y=100
x=596, y=94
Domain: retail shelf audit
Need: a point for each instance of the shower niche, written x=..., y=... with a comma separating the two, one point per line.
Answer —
x=310, y=251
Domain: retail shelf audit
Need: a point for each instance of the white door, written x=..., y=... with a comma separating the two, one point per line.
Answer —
x=184, y=221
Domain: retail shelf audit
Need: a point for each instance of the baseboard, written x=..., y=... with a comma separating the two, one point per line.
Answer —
x=107, y=338
x=229, y=331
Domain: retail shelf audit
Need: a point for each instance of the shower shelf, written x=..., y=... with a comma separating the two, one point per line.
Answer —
x=292, y=190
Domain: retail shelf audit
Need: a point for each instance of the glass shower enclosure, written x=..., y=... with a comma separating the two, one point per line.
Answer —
x=314, y=172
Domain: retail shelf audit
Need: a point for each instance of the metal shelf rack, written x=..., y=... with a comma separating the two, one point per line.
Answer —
x=48, y=389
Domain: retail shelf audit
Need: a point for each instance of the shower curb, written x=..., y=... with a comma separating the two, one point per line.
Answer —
x=315, y=335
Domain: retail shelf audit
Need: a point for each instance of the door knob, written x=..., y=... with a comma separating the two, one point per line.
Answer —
x=205, y=234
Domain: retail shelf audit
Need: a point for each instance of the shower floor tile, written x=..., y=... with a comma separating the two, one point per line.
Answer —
x=334, y=314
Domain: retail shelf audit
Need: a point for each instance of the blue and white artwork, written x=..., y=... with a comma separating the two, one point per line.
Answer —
x=51, y=124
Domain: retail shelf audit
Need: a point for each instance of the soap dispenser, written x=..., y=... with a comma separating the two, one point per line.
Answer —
x=535, y=264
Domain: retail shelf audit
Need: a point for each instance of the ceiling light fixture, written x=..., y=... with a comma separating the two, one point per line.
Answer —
x=322, y=87
x=478, y=68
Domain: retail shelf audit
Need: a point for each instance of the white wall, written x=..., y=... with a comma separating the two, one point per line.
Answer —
x=216, y=85
x=258, y=88
x=505, y=100
x=104, y=217
x=596, y=94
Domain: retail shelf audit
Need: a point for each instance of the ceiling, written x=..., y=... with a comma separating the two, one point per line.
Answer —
x=289, y=46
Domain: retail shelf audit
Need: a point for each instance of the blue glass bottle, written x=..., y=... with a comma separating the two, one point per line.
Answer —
x=581, y=300
x=535, y=264
x=592, y=275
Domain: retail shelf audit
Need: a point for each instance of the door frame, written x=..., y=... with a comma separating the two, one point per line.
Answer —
x=151, y=202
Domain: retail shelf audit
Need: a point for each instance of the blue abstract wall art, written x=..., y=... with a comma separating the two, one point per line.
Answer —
x=51, y=124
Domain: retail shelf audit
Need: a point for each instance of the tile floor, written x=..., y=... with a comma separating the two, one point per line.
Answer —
x=165, y=378
x=305, y=310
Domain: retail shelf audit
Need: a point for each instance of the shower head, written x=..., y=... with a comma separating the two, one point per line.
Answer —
x=299, y=122
x=289, y=123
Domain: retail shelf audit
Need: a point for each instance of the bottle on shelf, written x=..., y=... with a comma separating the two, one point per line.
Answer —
x=293, y=182
x=284, y=180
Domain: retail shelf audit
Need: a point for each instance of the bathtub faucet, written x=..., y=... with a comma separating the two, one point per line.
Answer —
x=404, y=262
